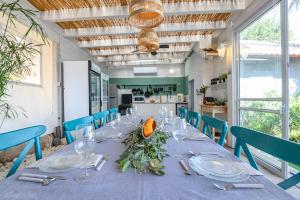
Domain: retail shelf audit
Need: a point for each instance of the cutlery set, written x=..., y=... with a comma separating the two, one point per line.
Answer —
x=45, y=180
x=39, y=178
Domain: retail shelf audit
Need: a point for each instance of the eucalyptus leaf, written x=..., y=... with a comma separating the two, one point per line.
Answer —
x=144, y=155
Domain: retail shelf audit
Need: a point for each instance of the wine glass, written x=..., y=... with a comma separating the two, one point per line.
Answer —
x=170, y=117
x=118, y=119
x=84, y=145
x=135, y=109
x=128, y=112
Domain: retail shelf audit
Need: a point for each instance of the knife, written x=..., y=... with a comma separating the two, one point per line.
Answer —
x=42, y=176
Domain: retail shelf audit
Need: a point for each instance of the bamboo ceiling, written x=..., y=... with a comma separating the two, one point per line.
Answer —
x=206, y=23
x=124, y=22
x=44, y=5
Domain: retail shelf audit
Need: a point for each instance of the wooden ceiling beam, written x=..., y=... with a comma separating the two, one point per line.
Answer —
x=143, y=63
x=204, y=40
x=133, y=57
x=169, y=27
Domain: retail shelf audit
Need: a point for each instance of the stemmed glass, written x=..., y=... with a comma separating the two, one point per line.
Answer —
x=118, y=119
x=84, y=145
x=128, y=112
x=135, y=109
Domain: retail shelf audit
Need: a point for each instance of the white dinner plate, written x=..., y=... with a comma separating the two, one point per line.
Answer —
x=61, y=163
x=218, y=168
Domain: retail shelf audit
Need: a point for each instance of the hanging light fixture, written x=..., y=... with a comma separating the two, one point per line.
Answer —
x=145, y=13
x=148, y=40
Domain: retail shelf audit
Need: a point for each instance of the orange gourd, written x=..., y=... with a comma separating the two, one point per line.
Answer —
x=149, y=127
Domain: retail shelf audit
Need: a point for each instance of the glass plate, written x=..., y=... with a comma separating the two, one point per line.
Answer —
x=218, y=168
x=61, y=163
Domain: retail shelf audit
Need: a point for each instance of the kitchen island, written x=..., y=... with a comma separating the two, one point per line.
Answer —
x=151, y=109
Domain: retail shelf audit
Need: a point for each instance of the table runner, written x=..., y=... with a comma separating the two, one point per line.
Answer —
x=110, y=183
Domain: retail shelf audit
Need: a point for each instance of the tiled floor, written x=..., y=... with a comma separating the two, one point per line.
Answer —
x=294, y=191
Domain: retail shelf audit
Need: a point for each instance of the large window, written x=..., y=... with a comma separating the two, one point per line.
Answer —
x=263, y=75
x=294, y=71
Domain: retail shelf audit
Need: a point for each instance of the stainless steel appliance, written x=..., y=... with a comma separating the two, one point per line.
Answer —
x=139, y=99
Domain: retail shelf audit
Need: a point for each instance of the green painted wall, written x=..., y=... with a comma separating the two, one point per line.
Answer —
x=180, y=82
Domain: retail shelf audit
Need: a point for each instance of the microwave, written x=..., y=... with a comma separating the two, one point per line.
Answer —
x=139, y=99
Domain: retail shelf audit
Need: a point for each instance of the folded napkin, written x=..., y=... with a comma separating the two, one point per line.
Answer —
x=94, y=160
x=249, y=169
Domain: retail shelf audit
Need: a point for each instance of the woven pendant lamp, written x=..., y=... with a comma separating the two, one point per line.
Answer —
x=146, y=13
x=148, y=40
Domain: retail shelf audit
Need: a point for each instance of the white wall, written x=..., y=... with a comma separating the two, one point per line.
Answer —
x=201, y=71
x=163, y=71
x=41, y=102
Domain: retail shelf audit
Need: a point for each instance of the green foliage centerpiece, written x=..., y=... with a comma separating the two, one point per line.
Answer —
x=145, y=151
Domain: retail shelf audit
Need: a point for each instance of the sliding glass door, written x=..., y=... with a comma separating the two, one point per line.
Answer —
x=294, y=71
x=268, y=53
x=260, y=78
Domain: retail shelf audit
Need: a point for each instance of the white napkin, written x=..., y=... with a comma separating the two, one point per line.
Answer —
x=94, y=160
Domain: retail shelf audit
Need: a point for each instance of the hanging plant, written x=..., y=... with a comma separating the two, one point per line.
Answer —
x=16, y=54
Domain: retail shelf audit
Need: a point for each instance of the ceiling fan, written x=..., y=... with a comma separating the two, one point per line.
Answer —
x=161, y=46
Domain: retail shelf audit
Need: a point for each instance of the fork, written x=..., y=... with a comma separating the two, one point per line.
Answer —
x=239, y=186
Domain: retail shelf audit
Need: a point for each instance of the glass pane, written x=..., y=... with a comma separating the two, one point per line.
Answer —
x=95, y=93
x=269, y=105
x=294, y=72
x=268, y=123
x=260, y=53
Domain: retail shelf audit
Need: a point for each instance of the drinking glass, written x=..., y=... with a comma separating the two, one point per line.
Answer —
x=84, y=143
x=135, y=109
x=128, y=112
x=118, y=119
x=170, y=117
x=182, y=124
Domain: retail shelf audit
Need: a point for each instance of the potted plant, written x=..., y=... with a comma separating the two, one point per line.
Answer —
x=16, y=54
x=202, y=90
x=222, y=78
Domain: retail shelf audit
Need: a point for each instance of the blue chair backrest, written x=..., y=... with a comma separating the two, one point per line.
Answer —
x=182, y=112
x=30, y=136
x=71, y=126
x=194, y=118
x=280, y=148
x=100, y=119
x=220, y=125
x=112, y=113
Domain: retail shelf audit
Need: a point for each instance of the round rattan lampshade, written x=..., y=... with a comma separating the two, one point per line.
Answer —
x=146, y=13
x=148, y=40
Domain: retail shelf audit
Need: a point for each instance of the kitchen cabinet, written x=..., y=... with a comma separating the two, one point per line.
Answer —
x=152, y=109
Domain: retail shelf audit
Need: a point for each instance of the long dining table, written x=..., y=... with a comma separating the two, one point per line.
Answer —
x=110, y=183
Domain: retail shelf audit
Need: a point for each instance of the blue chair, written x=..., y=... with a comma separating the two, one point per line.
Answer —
x=182, y=112
x=30, y=136
x=100, y=119
x=282, y=149
x=210, y=122
x=194, y=119
x=71, y=126
x=112, y=113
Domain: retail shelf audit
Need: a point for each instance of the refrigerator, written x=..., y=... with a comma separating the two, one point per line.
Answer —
x=113, y=96
x=81, y=94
